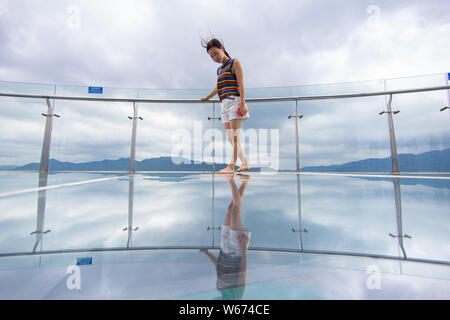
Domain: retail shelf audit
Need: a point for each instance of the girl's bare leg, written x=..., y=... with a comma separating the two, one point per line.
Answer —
x=241, y=155
x=234, y=209
x=235, y=126
x=230, y=167
x=236, y=198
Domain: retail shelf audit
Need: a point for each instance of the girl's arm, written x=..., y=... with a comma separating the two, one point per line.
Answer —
x=211, y=94
x=243, y=272
x=237, y=70
x=243, y=243
x=210, y=256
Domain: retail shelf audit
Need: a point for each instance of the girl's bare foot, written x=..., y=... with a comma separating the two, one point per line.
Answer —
x=244, y=167
x=244, y=179
x=227, y=176
x=227, y=169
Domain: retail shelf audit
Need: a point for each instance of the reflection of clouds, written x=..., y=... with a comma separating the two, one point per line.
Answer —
x=366, y=214
x=94, y=216
x=340, y=214
x=186, y=275
x=165, y=222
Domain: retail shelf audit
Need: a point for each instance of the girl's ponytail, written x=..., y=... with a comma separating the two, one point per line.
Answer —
x=214, y=43
x=226, y=53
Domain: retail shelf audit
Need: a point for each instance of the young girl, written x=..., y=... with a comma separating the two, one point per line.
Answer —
x=230, y=88
x=231, y=264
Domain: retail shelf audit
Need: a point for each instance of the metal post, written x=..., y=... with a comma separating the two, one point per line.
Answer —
x=213, y=228
x=130, y=228
x=392, y=140
x=42, y=199
x=213, y=137
x=447, y=77
x=214, y=150
x=393, y=143
x=398, y=213
x=296, y=116
x=299, y=230
x=296, y=138
x=133, y=136
x=47, y=136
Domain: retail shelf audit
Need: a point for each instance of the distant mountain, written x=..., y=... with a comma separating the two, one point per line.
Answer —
x=432, y=161
x=10, y=167
x=123, y=164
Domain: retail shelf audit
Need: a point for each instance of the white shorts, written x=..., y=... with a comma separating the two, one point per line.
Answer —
x=229, y=242
x=230, y=105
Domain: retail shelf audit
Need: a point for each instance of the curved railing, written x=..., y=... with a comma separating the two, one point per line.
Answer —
x=389, y=94
x=304, y=106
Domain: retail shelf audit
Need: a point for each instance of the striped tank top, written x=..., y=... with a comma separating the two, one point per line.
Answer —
x=228, y=269
x=226, y=81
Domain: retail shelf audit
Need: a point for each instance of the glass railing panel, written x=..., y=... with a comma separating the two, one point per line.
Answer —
x=173, y=94
x=269, y=208
x=343, y=135
x=343, y=214
x=426, y=221
x=27, y=88
x=416, y=82
x=340, y=88
x=91, y=131
x=269, y=92
x=422, y=131
x=86, y=216
x=348, y=214
x=14, y=182
x=275, y=132
x=56, y=215
x=175, y=136
x=22, y=129
x=95, y=91
x=17, y=222
x=171, y=210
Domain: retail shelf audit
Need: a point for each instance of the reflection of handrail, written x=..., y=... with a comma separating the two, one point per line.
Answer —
x=338, y=96
x=280, y=250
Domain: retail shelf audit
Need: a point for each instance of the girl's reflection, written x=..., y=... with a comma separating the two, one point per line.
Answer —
x=231, y=265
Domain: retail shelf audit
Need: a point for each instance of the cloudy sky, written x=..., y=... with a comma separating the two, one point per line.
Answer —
x=156, y=44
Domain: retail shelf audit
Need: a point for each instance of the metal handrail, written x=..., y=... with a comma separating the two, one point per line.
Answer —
x=294, y=98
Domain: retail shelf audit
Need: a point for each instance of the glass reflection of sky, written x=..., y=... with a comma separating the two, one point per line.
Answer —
x=340, y=213
x=336, y=214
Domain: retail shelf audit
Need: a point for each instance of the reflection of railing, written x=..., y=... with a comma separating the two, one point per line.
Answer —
x=300, y=229
x=253, y=249
x=49, y=122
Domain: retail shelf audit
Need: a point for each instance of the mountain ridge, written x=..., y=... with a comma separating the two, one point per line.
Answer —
x=431, y=161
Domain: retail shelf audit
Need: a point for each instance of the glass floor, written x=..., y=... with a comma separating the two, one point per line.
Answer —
x=181, y=235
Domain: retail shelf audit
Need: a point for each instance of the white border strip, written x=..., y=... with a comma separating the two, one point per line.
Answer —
x=13, y=193
x=373, y=175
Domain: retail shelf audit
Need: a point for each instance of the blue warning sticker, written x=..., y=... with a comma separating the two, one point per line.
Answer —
x=98, y=90
x=84, y=261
